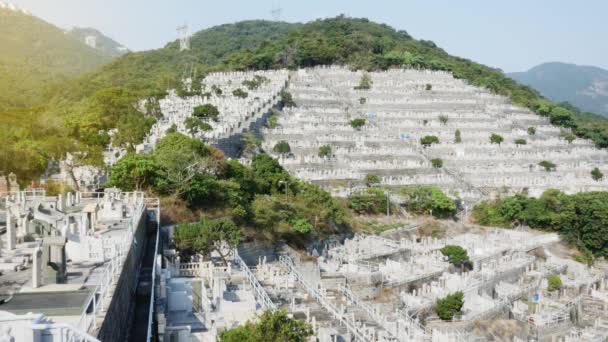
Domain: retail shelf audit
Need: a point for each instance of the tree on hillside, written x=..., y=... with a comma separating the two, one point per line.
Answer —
x=496, y=139
x=365, y=83
x=325, y=151
x=240, y=93
x=596, y=174
x=443, y=119
x=427, y=199
x=206, y=111
x=428, y=87
x=282, y=147
x=531, y=130
x=195, y=125
x=371, y=179
x=428, y=140
x=272, y=326
x=287, y=99
x=449, y=307
x=554, y=283
x=569, y=137
x=207, y=236
x=456, y=254
x=547, y=165
x=437, y=163
x=135, y=172
x=368, y=201
x=457, y=137
x=357, y=123
x=520, y=141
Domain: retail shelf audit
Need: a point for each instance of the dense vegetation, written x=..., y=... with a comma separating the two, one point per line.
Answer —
x=425, y=200
x=262, y=198
x=272, y=326
x=251, y=45
x=581, y=219
x=449, y=307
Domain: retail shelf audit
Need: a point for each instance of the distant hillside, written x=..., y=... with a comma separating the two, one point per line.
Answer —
x=98, y=41
x=585, y=87
x=106, y=94
x=36, y=54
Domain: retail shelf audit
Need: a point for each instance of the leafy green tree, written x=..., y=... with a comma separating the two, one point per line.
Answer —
x=428, y=87
x=172, y=129
x=272, y=326
x=132, y=129
x=428, y=140
x=206, y=111
x=531, y=131
x=554, y=283
x=457, y=137
x=455, y=254
x=437, y=163
x=596, y=174
x=135, y=172
x=371, y=179
x=496, y=139
x=424, y=199
x=208, y=236
x=269, y=174
x=547, y=165
x=282, y=147
x=443, y=119
x=368, y=201
x=449, y=307
x=520, y=141
x=240, y=93
x=365, y=83
x=301, y=226
x=287, y=99
x=357, y=123
x=569, y=137
x=325, y=151
x=273, y=121
x=195, y=125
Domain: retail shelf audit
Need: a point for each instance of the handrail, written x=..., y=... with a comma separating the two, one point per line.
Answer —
x=149, y=334
x=358, y=334
x=77, y=334
x=259, y=289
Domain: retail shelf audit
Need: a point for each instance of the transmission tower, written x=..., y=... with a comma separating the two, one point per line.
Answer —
x=184, y=38
x=276, y=11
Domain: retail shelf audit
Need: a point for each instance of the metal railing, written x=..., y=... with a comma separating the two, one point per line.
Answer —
x=321, y=298
x=260, y=294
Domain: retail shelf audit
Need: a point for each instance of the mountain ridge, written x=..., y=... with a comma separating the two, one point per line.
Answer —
x=584, y=86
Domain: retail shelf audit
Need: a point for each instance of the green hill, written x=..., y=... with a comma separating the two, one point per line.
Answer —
x=104, y=99
x=36, y=54
x=583, y=86
x=106, y=45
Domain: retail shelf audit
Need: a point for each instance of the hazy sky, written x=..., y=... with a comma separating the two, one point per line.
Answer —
x=513, y=35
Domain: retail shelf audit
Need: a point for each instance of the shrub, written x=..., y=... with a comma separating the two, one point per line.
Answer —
x=569, y=137
x=547, y=165
x=365, y=83
x=531, y=130
x=428, y=140
x=443, y=119
x=216, y=89
x=368, y=201
x=554, y=283
x=457, y=138
x=371, y=179
x=455, y=254
x=424, y=199
x=362, y=100
x=287, y=99
x=273, y=121
x=437, y=163
x=596, y=174
x=325, y=151
x=357, y=123
x=240, y=93
x=520, y=141
x=207, y=111
x=428, y=87
x=282, y=147
x=450, y=306
x=301, y=226
x=496, y=139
